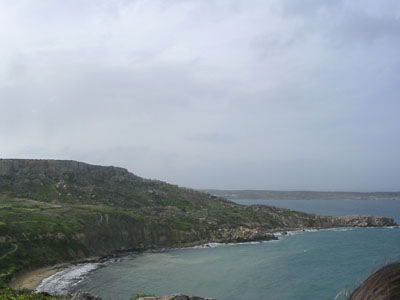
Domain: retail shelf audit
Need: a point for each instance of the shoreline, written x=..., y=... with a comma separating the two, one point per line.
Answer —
x=32, y=279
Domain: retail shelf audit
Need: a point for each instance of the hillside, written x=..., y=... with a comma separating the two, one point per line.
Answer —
x=55, y=211
x=302, y=195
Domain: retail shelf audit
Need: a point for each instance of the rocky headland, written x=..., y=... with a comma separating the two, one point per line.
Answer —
x=54, y=211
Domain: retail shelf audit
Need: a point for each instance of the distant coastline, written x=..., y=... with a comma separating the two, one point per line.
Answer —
x=301, y=195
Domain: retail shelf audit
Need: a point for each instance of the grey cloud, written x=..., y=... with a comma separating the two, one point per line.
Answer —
x=366, y=29
x=307, y=8
x=211, y=137
x=210, y=94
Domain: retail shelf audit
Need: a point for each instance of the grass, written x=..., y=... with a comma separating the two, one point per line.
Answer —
x=10, y=294
x=40, y=233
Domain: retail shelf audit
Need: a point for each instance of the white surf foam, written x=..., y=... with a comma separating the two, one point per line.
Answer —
x=341, y=229
x=61, y=282
x=392, y=227
x=208, y=245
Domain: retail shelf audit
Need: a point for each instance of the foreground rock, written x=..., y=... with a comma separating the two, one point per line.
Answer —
x=87, y=296
x=175, y=297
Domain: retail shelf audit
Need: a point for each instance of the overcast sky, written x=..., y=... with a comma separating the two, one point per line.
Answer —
x=235, y=94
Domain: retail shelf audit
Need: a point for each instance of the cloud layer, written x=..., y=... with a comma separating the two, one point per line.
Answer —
x=291, y=95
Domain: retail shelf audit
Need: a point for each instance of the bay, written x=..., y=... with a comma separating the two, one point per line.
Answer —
x=302, y=265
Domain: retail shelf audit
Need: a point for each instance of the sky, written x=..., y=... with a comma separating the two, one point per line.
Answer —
x=230, y=94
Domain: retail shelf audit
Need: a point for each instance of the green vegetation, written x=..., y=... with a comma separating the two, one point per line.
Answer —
x=9, y=294
x=36, y=234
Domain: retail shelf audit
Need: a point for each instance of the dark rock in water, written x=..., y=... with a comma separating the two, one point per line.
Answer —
x=175, y=297
x=84, y=296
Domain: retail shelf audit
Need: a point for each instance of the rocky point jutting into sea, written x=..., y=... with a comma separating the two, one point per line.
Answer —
x=55, y=211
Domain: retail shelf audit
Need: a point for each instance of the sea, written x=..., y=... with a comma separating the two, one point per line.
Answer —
x=301, y=265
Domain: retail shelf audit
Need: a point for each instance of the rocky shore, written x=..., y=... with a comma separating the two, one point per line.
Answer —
x=88, y=296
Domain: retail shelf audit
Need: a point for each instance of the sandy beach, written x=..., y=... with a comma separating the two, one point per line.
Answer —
x=31, y=279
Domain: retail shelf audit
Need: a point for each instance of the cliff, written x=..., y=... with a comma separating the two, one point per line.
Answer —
x=54, y=211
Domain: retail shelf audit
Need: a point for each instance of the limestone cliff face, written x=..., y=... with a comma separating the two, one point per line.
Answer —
x=117, y=232
x=38, y=169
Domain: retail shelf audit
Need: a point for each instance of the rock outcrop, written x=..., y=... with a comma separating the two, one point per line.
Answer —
x=84, y=296
x=87, y=296
x=242, y=235
x=365, y=221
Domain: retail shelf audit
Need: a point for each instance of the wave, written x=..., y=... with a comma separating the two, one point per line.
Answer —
x=392, y=227
x=341, y=229
x=282, y=234
x=294, y=232
x=215, y=245
x=61, y=282
x=207, y=245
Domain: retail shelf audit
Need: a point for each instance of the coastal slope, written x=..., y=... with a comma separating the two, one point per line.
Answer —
x=54, y=211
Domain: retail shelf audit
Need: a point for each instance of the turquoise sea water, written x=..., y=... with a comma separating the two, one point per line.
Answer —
x=301, y=266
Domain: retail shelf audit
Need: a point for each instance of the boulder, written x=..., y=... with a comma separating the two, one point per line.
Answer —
x=84, y=296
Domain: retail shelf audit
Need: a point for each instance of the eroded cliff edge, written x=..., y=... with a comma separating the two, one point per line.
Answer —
x=54, y=211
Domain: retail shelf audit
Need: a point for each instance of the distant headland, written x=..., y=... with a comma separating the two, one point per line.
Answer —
x=301, y=195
